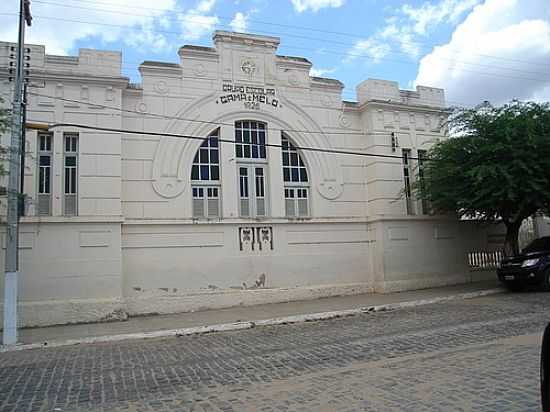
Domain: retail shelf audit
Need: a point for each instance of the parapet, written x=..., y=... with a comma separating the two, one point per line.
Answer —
x=388, y=91
x=88, y=62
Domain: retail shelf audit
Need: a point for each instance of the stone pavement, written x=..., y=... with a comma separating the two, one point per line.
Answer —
x=479, y=354
x=144, y=324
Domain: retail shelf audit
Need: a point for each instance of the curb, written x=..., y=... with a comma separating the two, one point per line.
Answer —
x=225, y=327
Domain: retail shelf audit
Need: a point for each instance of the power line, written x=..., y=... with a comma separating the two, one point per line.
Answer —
x=163, y=116
x=346, y=54
x=303, y=28
x=202, y=138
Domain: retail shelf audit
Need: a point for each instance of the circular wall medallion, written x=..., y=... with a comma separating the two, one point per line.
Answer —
x=141, y=107
x=344, y=121
x=293, y=79
x=326, y=101
x=199, y=70
x=248, y=67
x=161, y=87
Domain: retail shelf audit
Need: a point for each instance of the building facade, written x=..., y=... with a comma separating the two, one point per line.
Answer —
x=230, y=178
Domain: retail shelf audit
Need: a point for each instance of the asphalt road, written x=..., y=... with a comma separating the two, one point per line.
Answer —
x=479, y=354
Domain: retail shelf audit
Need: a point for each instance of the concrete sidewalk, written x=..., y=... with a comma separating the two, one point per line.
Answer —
x=245, y=316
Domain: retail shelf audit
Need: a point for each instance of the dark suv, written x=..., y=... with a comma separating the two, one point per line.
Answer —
x=532, y=266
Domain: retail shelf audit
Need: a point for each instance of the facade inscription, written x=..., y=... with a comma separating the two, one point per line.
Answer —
x=253, y=97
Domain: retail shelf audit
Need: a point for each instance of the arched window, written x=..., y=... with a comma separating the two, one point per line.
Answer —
x=295, y=179
x=205, y=178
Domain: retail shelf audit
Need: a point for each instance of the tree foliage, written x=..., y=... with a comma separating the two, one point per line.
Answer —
x=495, y=167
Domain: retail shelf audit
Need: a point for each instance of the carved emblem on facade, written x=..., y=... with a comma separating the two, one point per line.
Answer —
x=248, y=67
x=161, y=87
x=141, y=107
x=256, y=239
x=199, y=70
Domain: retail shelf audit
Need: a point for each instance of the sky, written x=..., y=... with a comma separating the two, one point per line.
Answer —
x=477, y=50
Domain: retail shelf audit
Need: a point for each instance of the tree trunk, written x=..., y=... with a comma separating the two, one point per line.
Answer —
x=511, y=243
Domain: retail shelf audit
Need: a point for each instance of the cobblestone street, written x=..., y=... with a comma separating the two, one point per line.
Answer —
x=478, y=354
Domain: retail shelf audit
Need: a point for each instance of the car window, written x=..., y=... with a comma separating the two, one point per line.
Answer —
x=538, y=245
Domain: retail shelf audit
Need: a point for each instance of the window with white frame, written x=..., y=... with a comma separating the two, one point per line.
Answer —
x=407, y=173
x=250, y=137
x=295, y=178
x=205, y=178
x=70, y=206
x=250, y=151
x=45, y=163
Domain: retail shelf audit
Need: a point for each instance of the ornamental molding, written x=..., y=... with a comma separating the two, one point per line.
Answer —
x=173, y=157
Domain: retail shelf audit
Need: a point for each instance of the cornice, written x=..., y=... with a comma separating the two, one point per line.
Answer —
x=84, y=78
x=393, y=104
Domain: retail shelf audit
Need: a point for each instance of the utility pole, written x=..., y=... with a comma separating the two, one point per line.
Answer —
x=17, y=128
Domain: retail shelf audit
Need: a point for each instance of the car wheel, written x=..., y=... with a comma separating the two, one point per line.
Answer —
x=545, y=370
x=514, y=286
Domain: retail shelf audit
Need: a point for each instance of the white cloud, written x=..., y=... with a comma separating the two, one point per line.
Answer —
x=239, y=22
x=319, y=72
x=371, y=48
x=501, y=51
x=403, y=29
x=430, y=14
x=205, y=6
x=197, y=22
x=60, y=36
x=315, y=5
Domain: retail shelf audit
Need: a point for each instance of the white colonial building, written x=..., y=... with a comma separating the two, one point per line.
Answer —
x=201, y=189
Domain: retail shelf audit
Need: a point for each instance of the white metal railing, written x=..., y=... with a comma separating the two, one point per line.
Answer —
x=484, y=260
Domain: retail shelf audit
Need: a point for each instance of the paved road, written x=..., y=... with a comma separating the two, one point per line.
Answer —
x=480, y=354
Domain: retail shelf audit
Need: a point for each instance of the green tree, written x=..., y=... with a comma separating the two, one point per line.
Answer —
x=495, y=167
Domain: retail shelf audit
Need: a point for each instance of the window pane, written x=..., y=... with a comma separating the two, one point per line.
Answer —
x=285, y=159
x=250, y=135
x=73, y=180
x=214, y=173
x=214, y=156
x=303, y=175
x=206, y=155
x=47, y=180
x=195, y=172
x=295, y=175
x=70, y=161
x=286, y=174
x=44, y=160
x=67, y=181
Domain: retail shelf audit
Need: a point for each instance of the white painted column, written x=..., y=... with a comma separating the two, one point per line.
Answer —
x=57, y=174
x=228, y=174
x=276, y=185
